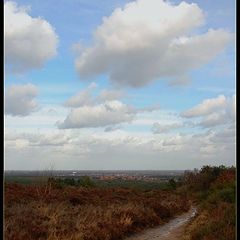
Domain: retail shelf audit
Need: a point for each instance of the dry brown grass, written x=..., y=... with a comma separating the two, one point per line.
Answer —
x=214, y=225
x=90, y=214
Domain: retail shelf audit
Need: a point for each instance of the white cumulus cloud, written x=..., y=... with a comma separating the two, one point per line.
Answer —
x=104, y=109
x=86, y=97
x=206, y=107
x=110, y=94
x=101, y=115
x=143, y=42
x=82, y=98
x=29, y=42
x=20, y=100
x=213, y=112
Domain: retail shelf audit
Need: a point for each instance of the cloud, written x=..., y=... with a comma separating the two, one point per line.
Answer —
x=97, y=110
x=108, y=95
x=214, y=119
x=213, y=112
x=206, y=107
x=104, y=109
x=44, y=118
x=29, y=42
x=86, y=97
x=142, y=42
x=19, y=100
x=104, y=114
x=176, y=140
x=76, y=149
x=112, y=128
x=150, y=108
x=160, y=128
x=180, y=81
x=226, y=135
x=82, y=98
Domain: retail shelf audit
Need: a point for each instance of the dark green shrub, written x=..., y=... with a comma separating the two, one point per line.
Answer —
x=60, y=183
x=227, y=195
x=85, y=181
x=69, y=181
x=172, y=183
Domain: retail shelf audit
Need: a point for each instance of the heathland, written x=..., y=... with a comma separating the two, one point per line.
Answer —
x=68, y=208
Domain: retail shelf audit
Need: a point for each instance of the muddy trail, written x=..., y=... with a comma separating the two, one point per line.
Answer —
x=173, y=230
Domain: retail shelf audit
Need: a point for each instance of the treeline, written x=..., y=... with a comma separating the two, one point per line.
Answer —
x=84, y=181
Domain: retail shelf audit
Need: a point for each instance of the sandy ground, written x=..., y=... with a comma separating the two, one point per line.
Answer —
x=173, y=230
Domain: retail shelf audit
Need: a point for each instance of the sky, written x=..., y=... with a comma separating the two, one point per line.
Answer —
x=119, y=85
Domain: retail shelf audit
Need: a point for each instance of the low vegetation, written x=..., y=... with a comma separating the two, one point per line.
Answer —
x=214, y=190
x=86, y=209
x=63, y=209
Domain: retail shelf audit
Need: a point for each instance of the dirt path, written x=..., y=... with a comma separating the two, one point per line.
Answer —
x=172, y=230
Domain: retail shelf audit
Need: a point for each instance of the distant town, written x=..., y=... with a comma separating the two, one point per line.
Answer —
x=148, y=176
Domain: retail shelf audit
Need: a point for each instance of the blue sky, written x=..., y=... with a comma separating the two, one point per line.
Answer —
x=136, y=105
